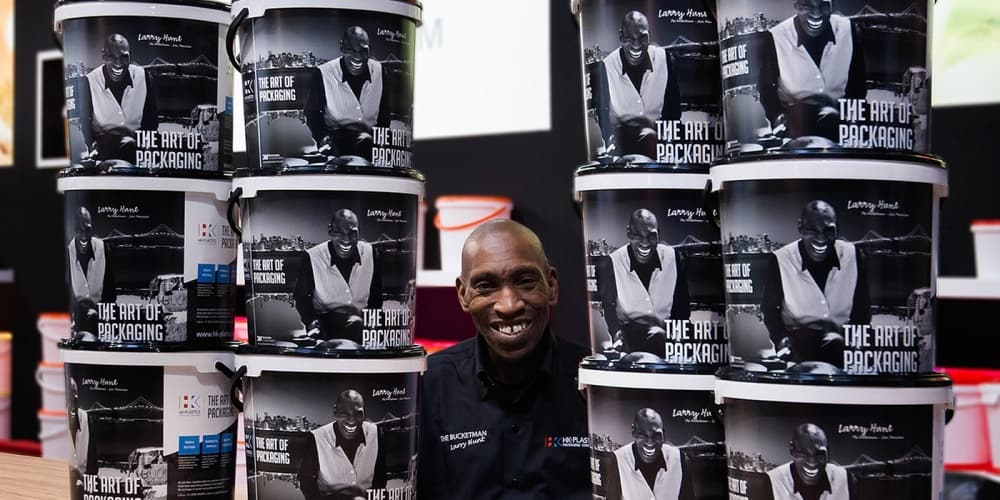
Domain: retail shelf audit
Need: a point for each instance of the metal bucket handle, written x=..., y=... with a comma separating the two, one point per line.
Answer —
x=235, y=384
x=234, y=27
x=710, y=202
x=234, y=201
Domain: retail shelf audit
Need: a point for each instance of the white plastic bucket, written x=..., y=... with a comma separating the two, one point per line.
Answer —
x=679, y=316
x=52, y=328
x=4, y=415
x=458, y=215
x=692, y=430
x=285, y=415
x=177, y=67
x=292, y=224
x=991, y=403
x=881, y=437
x=879, y=241
x=166, y=244
x=53, y=432
x=166, y=415
x=51, y=381
x=966, y=436
x=986, y=238
x=6, y=361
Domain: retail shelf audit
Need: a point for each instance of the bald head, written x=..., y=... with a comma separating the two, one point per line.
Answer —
x=344, y=232
x=350, y=399
x=117, y=56
x=647, y=417
x=356, y=49
x=634, y=37
x=806, y=434
x=633, y=20
x=349, y=414
x=506, y=231
x=84, y=230
x=643, y=235
x=809, y=453
x=818, y=229
x=647, y=431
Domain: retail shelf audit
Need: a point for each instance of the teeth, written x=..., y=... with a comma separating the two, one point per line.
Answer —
x=648, y=451
x=811, y=471
x=645, y=251
x=356, y=65
x=820, y=248
x=815, y=24
x=511, y=329
x=635, y=53
x=350, y=428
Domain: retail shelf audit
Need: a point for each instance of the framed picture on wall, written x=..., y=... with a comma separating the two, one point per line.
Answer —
x=50, y=103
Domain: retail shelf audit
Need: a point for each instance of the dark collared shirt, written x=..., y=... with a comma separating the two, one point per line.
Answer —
x=810, y=492
x=814, y=44
x=356, y=82
x=645, y=271
x=650, y=470
x=481, y=439
x=117, y=88
x=350, y=446
x=819, y=270
x=635, y=73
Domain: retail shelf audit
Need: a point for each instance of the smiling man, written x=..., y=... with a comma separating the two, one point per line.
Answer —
x=645, y=286
x=647, y=467
x=815, y=285
x=501, y=415
x=90, y=276
x=810, y=475
x=344, y=458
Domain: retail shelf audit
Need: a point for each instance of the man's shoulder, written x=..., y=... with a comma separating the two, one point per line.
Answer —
x=453, y=360
x=570, y=352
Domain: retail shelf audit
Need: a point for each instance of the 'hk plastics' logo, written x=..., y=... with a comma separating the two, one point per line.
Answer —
x=189, y=404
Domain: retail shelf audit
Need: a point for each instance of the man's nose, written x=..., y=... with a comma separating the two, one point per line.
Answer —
x=508, y=301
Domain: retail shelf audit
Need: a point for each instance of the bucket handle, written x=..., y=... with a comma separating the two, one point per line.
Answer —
x=235, y=384
x=234, y=27
x=467, y=225
x=43, y=385
x=234, y=201
x=710, y=202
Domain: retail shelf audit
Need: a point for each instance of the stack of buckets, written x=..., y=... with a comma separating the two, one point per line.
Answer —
x=801, y=265
x=50, y=376
x=327, y=211
x=150, y=257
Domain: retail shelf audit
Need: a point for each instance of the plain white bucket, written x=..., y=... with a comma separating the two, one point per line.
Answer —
x=53, y=432
x=51, y=380
x=990, y=394
x=458, y=215
x=52, y=327
x=986, y=238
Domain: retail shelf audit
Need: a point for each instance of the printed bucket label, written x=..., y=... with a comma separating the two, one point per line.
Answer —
x=835, y=451
x=674, y=433
x=357, y=437
x=148, y=91
x=330, y=268
x=830, y=275
x=150, y=266
x=822, y=73
x=149, y=432
x=651, y=76
x=653, y=274
x=319, y=84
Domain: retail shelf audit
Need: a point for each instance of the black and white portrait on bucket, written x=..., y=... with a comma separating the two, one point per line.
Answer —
x=829, y=276
x=339, y=86
x=825, y=73
x=330, y=270
x=652, y=85
x=832, y=452
x=355, y=439
x=653, y=261
x=660, y=444
x=145, y=92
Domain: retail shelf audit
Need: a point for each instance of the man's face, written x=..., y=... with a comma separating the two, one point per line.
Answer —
x=117, y=57
x=818, y=230
x=84, y=232
x=508, y=288
x=356, y=51
x=809, y=455
x=643, y=237
x=814, y=15
x=344, y=234
x=648, y=436
x=634, y=37
x=349, y=414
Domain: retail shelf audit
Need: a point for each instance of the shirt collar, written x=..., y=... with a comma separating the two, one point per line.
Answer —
x=798, y=485
x=825, y=37
x=660, y=463
x=544, y=354
x=807, y=262
x=127, y=81
x=654, y=260
x=341, y=438
x=353, y=258
x=645, y=65
x=365, y=76
x=88, y=254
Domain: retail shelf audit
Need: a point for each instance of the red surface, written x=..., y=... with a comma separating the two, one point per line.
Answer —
x=986, y=222
x=432, y=346
x=21, y=447
x=970, y=376
x=439, y=316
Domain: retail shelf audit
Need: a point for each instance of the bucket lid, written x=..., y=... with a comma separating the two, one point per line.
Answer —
x=217, y=187
x=831, y=154
x=406, y=8
x=401, y=184
x=261, y=358
x=213, y=11
x=599, y=372
x=124, y=354
x=861, y=169
x=458, y=199
x=627, y=165
x=363, y=168
x=638, y=179
x=927, y=388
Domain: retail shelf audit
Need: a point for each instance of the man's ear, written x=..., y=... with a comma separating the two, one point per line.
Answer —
x=460, y=289
x=553, y=279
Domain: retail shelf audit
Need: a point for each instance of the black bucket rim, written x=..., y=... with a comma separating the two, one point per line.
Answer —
x=918, y=380
x=409, y=173
x=608, y=365
x=410, y=351
x=206, y=4
x=807, y=154
x=139, y=172
x=596, y=167
x=145, y=347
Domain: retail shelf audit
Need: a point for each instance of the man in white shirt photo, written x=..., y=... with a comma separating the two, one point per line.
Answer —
x=648, y=468
x=809, y=475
